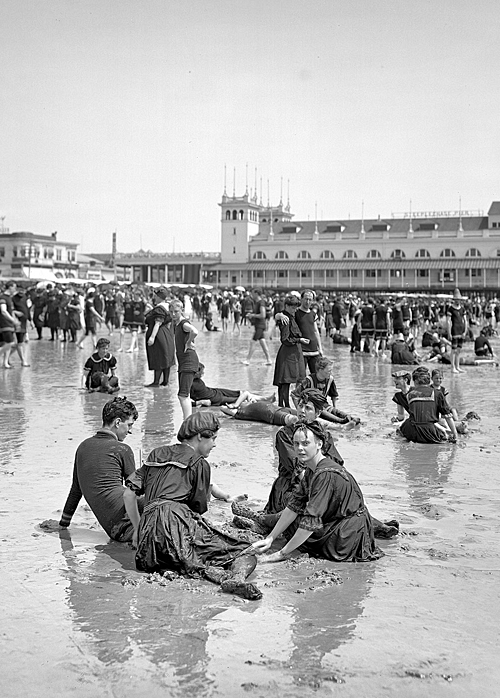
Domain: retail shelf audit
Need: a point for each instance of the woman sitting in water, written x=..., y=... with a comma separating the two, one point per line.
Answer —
x=203, y=396
x=425, y=407
x=290, y=471
x=326, y=515
x=172, y=534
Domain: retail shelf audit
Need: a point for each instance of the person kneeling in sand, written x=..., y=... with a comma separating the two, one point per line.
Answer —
x=99, y=372
x=326, y=515
x=172, y=533
x=102, y=463
x=203, y=396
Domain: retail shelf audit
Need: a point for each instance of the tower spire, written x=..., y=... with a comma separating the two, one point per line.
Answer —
x=261, y=191
x=281, y=193
x=288, y=196
x=234, y=182
x=225, y=180
x=255, y=191
x=246, y=179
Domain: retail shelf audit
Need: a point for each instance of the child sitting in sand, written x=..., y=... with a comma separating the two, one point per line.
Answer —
x=99, y=372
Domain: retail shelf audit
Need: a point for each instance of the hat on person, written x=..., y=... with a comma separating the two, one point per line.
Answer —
x=204, y=423
x=457, y=296
x=161, y=292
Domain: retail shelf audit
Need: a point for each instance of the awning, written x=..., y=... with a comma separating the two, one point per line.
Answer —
x=39, y=274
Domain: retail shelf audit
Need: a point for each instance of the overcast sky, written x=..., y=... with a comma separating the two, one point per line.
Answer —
x=120, y=114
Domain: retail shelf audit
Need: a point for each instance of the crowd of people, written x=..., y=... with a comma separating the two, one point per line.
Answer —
x=315, y=503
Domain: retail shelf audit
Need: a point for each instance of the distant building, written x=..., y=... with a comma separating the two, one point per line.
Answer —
x=160, y=267
x=261, y=246
x=33, y=256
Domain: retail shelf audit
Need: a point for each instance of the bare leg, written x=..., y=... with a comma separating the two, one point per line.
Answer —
x=263, y=344
x=187, y=407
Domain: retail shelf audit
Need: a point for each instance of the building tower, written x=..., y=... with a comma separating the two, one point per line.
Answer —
x=239, y=221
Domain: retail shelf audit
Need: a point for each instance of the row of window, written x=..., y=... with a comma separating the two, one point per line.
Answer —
x=371, y=273
x=372, y=254
x=37, y=251
x=239, y=216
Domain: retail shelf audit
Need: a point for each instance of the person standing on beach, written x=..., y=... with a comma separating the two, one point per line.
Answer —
x=9, y=324
x=457, y=323
x=187, y=358
x=258, y=320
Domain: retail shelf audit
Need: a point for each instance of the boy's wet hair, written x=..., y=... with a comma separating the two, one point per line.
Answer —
x=323, y=362
x=118, y=407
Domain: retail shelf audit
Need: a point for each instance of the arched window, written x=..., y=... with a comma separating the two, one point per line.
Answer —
x=259, y=255
x=397, y=254
x=374, y=254
x=447, y=253
x=327, y=254
x=264, y=220
x=473, y=252
x=304, y=254
x=235, y=215
x=228, y=215
x=241, y=214
x=422, y=253
x=349, y=254
x=281, y=254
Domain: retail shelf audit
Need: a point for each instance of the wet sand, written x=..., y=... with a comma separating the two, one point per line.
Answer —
x=77, y=619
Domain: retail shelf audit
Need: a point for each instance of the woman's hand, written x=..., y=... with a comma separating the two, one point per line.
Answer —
x=262, y=546
x=151, y=341
x=274, y=557
x=303, y=340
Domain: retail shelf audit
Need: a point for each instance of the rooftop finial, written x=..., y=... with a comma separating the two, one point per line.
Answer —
x=268, y=199
x=316, y=231
x=234, y=182
x=261, y=191
x=246, y=179
x=281, y=193
x=362, y=217
x=411, y=220
x=255, y=191
x=225, y=178
x=288, y=196
x=460, y=226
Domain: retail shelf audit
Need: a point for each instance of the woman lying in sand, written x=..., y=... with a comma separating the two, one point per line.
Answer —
x=203, y=396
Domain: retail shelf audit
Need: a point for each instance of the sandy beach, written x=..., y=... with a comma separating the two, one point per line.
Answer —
x=77, y=619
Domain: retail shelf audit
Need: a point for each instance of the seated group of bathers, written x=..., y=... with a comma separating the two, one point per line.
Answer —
x=314, y=503
x=423, y=408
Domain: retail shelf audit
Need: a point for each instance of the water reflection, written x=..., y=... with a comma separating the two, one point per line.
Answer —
x=13, y=418
x=427, y=468
x=166, y=626
x=293, y=632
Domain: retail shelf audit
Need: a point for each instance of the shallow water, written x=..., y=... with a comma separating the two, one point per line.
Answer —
x=77, y=618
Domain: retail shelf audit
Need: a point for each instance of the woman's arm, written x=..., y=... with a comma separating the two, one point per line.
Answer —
x=154, y=332
x=130, y=502
x=287, y=517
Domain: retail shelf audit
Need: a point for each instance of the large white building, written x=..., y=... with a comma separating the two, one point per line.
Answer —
x=262, y=246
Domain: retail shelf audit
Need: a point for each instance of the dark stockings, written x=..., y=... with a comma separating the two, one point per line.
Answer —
x=158, y=375
x=284, y=395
